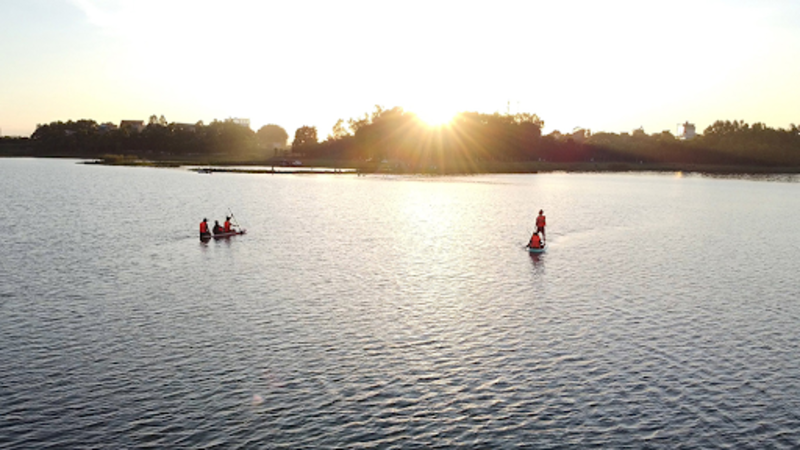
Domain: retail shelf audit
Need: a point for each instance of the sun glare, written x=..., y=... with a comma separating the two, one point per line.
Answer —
x=434, y=117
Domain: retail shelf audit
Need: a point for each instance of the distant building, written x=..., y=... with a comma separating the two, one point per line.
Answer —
x=106, y=127
x=135, y=125
x=186, y=127
x=243, y=122
x=580, y=134
x=687, y=131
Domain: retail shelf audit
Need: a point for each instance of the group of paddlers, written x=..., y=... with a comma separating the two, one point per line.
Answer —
x=218, y=229
x=537, y=241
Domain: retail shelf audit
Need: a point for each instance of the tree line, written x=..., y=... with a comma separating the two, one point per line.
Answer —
x=158, y=139
x=470, y=143
x=474, y=140
x=400, y=138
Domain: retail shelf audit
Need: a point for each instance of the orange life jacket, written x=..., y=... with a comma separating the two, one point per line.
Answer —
x=227, y=227
x=536, y=242
x=203, y=227
x=540, y=221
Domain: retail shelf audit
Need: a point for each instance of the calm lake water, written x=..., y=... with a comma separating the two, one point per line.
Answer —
x=396, y=312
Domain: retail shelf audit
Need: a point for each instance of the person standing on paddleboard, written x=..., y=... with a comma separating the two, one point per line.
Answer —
x=204, y=234
x=540, y=223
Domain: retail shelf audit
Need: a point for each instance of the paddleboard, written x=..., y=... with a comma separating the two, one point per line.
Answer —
x=222, y=235
x=537, y=250
x=232, y=233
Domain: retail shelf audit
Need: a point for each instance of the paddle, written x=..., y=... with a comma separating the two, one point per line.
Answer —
x=236, y=222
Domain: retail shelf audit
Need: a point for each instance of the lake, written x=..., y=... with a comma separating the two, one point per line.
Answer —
x=397, y=311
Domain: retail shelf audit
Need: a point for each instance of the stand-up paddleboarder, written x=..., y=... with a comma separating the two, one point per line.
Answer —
x=540, y=223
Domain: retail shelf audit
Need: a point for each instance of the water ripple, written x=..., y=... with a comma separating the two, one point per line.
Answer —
x=400, y=318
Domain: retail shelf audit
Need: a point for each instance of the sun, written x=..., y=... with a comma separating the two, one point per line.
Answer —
x=434, y=116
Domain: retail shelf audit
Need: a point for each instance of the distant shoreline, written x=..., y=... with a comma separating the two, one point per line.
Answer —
x=549, y=168
x=349, y=167
x=311, y=166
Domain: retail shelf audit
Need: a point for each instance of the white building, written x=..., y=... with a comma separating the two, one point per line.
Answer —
x=239, y=121
x=687, y=131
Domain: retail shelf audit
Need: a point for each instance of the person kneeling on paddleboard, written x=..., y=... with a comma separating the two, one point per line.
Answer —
x=535, y=242
x=217, y=227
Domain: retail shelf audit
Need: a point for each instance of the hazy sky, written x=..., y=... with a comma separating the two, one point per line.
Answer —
x=604, y=65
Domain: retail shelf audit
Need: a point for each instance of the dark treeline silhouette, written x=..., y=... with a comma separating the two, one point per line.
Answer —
x=401, y=139
x=15, y=146
x=394, y=139
x=473, y=141
x=723, y=143
x=157, y=140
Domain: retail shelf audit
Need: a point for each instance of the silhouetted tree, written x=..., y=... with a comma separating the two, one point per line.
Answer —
x=304, y=138
x=271, y=136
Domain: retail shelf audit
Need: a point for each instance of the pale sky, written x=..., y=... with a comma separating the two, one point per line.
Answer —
x=611, y=65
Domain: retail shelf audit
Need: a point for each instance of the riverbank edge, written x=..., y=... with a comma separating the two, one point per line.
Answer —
x=351, y=167
x=527, y=169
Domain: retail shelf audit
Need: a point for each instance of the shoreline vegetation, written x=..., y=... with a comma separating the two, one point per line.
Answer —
x=323, y=166
x=341, y=167
x=396, y=141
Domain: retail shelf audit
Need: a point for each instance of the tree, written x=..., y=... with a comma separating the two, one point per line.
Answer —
x=229, y=138
x=304, y=137
x=271, y=136
x=339, y=131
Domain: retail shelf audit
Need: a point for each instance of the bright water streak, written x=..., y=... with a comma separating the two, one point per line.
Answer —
x=384, y=312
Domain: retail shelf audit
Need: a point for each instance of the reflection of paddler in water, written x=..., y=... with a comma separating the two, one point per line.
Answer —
x=204, y=233
x=540, y=223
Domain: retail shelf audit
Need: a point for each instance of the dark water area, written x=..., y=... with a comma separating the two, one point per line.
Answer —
x=396, y=312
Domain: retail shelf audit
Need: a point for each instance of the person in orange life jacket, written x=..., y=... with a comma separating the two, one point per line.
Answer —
x=204, y=229
x=535, y=242
x=227, y=227
x=540, y=223
x=217, y=227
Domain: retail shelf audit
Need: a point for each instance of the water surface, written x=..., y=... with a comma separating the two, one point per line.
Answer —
x=396, y=312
